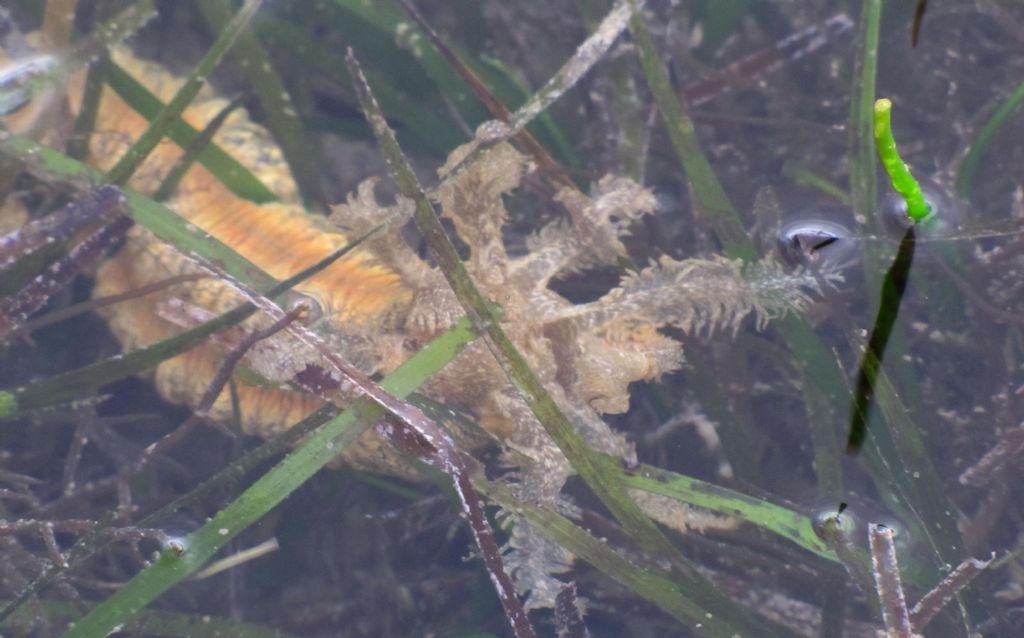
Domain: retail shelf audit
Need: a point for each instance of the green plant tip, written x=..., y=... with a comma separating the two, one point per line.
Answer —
x=902, y=181
x=8, y=405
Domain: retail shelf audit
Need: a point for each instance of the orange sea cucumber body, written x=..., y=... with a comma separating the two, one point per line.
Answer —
x=355, y=294
x=376, y=310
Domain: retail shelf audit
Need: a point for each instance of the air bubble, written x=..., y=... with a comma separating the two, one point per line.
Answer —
x=945, y=219
x=819, y=237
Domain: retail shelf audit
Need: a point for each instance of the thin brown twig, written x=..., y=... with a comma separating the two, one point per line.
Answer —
x=27, y=499
x=887, y=582
x=74, y=455
x=60, y=224
x=998, y=315
x=101, y=485
x=213, y=391
x=764, y=61
x=75, y=526
x=1007, y=449
x=455, y=463
x=70, y=312
x=107, y=201
x=899, y=621
x=498, y=110
x=216, y=386
x=511, y=125
x=569, y=614
x=409, y=428
x=940, y=595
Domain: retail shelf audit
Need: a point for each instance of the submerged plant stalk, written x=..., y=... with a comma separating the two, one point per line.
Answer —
x=903, y=181
x=893, y=286
x=895, y=282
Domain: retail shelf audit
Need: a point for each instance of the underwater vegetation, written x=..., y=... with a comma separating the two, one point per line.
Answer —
x=589, y=310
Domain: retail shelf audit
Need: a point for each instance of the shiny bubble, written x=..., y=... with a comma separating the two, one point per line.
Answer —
x=312, y=310
x=945, y=219
x=819, y=237
x=837, y=526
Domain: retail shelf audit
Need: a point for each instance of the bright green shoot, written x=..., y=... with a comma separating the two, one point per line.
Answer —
x=902, y=180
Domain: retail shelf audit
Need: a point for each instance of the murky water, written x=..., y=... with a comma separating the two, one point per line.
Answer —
x=762, y=412
x=954, y=368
